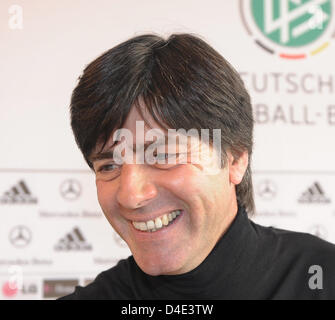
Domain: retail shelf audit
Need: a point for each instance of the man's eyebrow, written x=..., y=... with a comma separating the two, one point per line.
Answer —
x=108, y=154
x=101, y=156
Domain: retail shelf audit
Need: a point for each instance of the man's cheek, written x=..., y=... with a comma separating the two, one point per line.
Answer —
x=105, y=195
x=103, y=205
x=100, y=193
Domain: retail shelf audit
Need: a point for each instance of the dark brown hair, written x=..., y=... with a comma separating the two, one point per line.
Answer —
x=183, y=82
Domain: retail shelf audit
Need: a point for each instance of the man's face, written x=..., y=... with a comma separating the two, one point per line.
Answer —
x=138, y=193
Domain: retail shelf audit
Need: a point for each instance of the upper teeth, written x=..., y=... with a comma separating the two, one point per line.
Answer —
x=153, y=225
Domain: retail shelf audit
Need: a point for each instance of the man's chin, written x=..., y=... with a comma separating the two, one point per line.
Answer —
x=155, y=268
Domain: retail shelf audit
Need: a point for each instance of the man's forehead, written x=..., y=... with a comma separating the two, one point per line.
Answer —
x=143, y=138
x=140, y=129
x=140, y=112
x=136, y=137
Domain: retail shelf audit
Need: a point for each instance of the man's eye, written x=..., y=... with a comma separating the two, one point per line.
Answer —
x=108, y=167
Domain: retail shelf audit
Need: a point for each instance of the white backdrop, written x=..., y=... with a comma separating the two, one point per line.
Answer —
x=47, y=194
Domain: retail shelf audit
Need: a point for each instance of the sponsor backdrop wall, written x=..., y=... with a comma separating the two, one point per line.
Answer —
x=53, y=235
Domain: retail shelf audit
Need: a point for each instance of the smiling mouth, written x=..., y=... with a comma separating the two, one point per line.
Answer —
x=161, y=222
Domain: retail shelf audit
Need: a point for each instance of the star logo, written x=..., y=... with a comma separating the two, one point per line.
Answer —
x=267, y=190
x=20, y=236
x=70, y=189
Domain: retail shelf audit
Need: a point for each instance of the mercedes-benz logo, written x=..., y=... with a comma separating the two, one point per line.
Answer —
x=267, y=190
x=20, y=236
x=70, y=189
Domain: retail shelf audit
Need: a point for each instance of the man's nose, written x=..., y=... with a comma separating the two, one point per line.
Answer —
x=135, y=189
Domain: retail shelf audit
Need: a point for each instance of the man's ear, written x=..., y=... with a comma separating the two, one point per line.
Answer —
x=237, y=167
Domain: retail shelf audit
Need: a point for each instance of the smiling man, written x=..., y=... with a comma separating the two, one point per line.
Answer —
x=181, y=201
x=170, y=214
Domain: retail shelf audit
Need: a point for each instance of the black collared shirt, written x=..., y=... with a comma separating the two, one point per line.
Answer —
x=248, y=262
